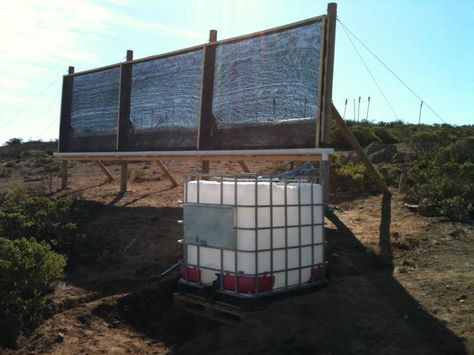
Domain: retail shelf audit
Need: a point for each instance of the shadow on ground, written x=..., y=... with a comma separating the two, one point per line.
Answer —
x=363, y=309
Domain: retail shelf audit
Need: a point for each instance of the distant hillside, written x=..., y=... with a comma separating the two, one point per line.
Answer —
x=399, y=132
x=15, y=148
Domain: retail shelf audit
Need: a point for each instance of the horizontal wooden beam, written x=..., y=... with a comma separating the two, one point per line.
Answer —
x=201, y=46
x=301, y=154
x=308, y=157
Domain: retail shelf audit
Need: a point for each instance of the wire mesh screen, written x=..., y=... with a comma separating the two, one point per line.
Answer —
x=165, y=98
x=266, y=89
x=94, y=111
x=258, y=91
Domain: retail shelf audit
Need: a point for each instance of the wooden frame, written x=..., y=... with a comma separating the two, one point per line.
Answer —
x=240, y=156
x=206, y=124
x=326, y=112
x=201, y=46
x=328, y=63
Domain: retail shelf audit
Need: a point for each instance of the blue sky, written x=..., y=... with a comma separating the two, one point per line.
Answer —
x=429, y=44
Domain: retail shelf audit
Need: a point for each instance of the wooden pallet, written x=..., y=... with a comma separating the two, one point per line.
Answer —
x=215, y=310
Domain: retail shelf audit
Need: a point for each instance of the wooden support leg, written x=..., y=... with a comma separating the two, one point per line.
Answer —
x=325, y=177
x=166, y=173
x=403, y=179
x=104, y=170
x=64, y=174
x=384, y=238
x=123, y=177
x=244, y=166
x=385, y=221
x=205, y=167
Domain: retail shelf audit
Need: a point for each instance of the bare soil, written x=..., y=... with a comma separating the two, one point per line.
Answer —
x=417, y=298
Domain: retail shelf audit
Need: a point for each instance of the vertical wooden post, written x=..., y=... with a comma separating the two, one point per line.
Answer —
x=325, y=166
x=123, y=119
x=205, y=131
x=64, y=174
x=384, y=228
x=123, y=176
x=65, y=122
x=205, y=166
x=330, y=40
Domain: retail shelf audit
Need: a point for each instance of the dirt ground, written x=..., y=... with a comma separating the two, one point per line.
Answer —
x=417, y=299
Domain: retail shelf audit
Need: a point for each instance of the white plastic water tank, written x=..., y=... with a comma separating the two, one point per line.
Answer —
x=253, y=210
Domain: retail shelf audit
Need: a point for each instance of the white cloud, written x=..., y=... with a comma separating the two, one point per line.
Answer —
x=40, y=38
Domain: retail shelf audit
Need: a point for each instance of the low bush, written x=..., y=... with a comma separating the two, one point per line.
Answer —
x=443, y=183
x=350, y=177
x=391, y=173
x=426, y=143
x=28, y=271
x=460, y=151
x=384, y=135
x=45, y=219
x=5, y=171
x=365, y=135
x=63, y=223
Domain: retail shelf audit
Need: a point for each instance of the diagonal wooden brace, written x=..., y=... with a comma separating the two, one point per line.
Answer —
x=371, y=170
x=166, y=173
x=104, y=170
x=244, y=166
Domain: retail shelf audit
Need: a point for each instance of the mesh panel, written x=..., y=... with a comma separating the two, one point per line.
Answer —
x=264, y=96
x=94, y=111
x=165, y=102
x=270, y=80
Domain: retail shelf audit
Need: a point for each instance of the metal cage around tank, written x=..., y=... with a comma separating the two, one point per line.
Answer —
x=260, y=283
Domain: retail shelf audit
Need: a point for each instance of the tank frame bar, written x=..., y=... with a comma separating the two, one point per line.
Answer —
x=271, y=179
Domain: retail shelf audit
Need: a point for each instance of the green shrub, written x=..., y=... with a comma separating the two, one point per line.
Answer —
x=337, y=139
x=456, y=208
x=5, y=171
x=427, y=143
x=445, y=189
x=391, y=173
x=384, y=135
x=13, y=142
x=43, y=218
x=28, y=270
x=365, y=135
x=460, y=151
x=351, y=177
x=98, y=246
x=63, y=223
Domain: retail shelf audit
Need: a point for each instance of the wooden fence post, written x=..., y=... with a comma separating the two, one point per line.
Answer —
x=124, y=116
x=330, y=40
x=385, y=220
x=206, y=123
x=64, y=174
x=65, y=122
